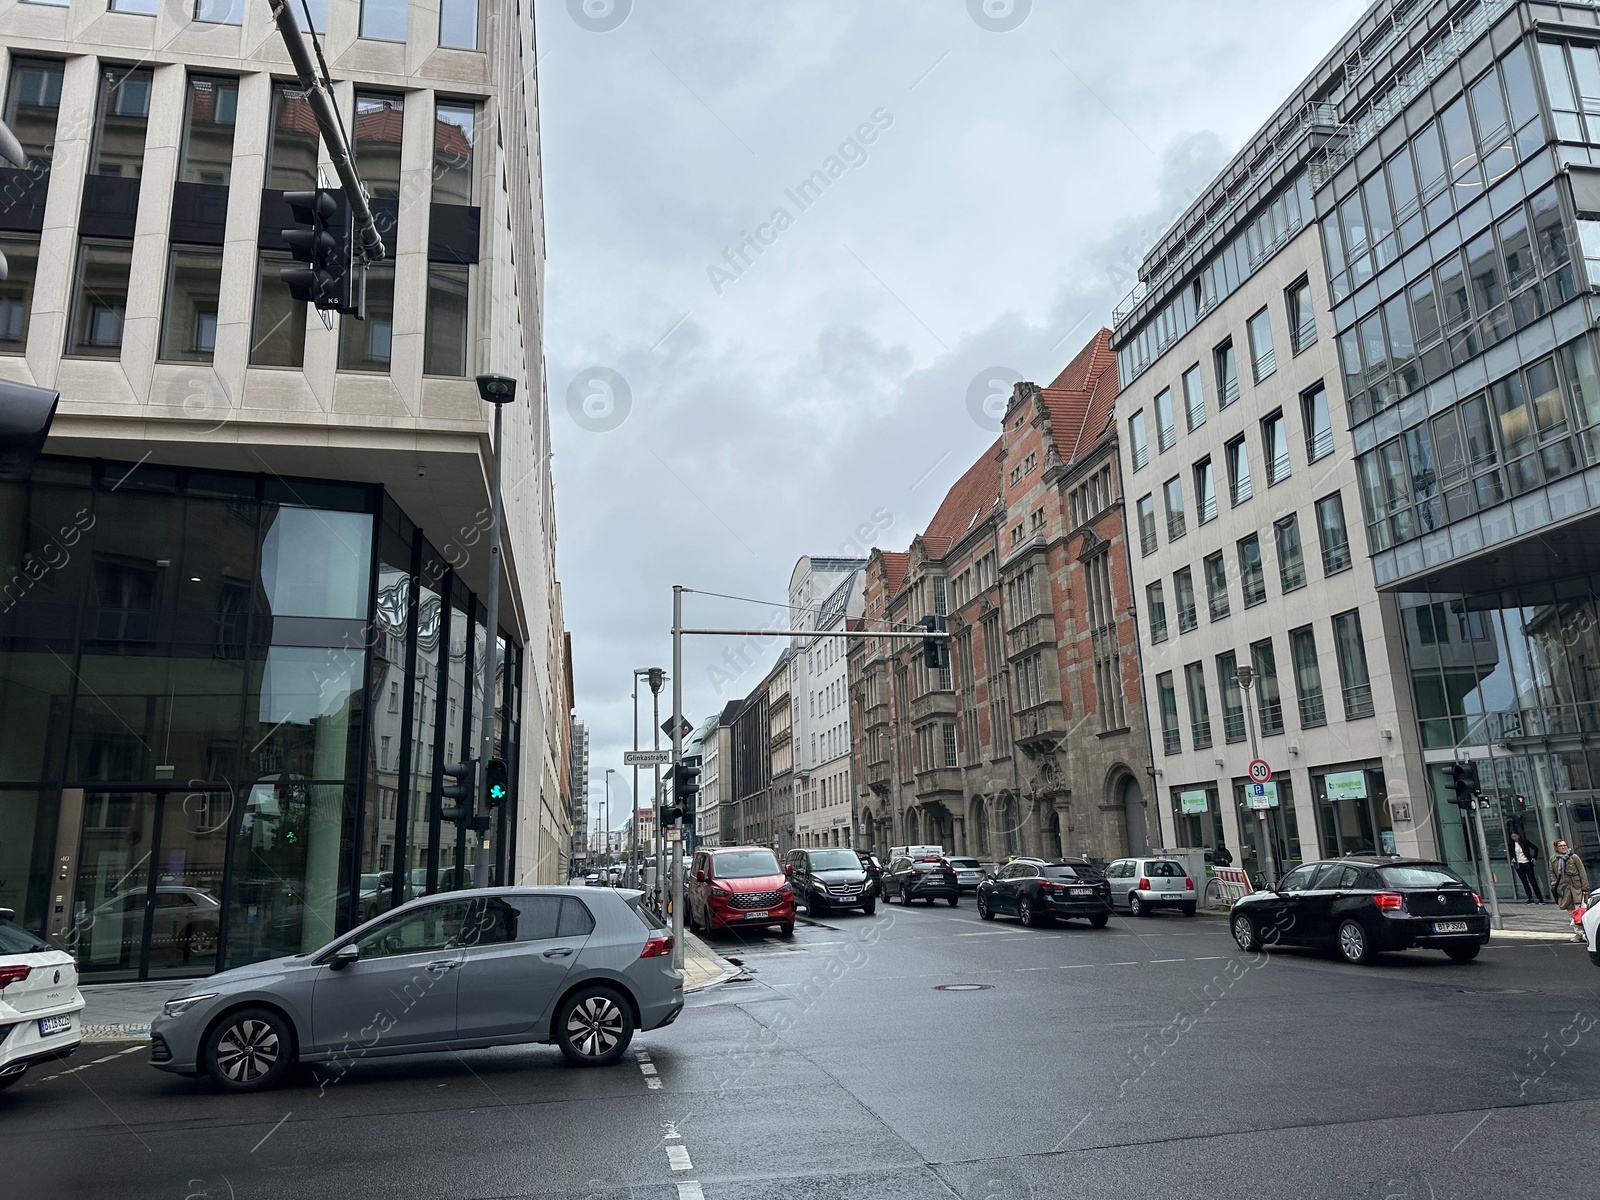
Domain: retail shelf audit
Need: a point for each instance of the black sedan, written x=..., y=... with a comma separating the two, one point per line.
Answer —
x=927, y=879
x=1036, y=892
x=1361, y=907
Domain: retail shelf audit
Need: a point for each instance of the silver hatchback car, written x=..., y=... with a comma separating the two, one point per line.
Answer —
x=581, y=967
x=1145, y=886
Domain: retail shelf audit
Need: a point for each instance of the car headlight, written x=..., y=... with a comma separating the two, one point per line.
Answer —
x=785, y=890
x=176, y=1008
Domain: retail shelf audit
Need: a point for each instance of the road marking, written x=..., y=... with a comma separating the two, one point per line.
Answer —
x=981, y=933
x=1033, y=968
x=678, y=1158
x=1210, y=958
x=270, y=1132
x=1161, y=960
x=648, y=1068
x=690, y=1190
x=1077, y=966
x=1123, y=964
x=653, y=1084
x=107, y=1058
x=130, y=1050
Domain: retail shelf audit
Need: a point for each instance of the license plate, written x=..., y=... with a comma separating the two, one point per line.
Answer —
x=50, y=1025
x=1080, y=891
x=753, y=916
x=1449, y=926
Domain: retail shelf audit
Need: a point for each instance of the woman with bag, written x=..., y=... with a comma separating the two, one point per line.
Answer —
x=1569, y=880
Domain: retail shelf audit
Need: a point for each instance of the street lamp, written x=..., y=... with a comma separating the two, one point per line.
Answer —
x=605, y=831
x=1246, y=678
x=655, y=677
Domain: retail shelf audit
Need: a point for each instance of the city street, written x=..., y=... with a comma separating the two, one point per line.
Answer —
x=1150, y=1058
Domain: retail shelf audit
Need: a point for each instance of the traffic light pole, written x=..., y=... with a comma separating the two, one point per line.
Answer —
x=480, y=837
x=1488, y=867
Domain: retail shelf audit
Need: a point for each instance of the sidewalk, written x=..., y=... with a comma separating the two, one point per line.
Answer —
x=703, y=967
x=1534, y=922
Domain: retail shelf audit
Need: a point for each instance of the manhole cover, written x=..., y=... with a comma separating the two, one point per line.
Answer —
x=963, y=987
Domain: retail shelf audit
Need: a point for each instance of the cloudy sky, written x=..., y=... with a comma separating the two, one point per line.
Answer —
x=743, y=370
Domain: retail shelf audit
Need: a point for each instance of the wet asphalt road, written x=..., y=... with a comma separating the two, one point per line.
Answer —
x=1148, y=1059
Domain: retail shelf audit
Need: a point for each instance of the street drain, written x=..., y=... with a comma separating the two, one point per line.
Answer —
x=963, y=987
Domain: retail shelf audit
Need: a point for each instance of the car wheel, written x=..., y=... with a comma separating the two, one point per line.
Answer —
x=952, y=901
x=787, y=930
x=1099, y=920
x=248, y=1050
x=1463, y=953
x=1244, y=933
x=199, y=941
x=1025, y=912
x=870, y=907
x=1138, y=907
x=983, y=910
x=1188, y=910
x=594, y=1027
x=1594, y=957
x=1354, y=945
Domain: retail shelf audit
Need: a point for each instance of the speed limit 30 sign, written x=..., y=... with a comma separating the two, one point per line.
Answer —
x=1260, y=772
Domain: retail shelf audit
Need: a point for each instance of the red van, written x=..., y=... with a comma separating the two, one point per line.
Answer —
x=734, y=886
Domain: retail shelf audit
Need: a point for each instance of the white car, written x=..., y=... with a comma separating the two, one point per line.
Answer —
x=1591, y=927
x=40, y=1005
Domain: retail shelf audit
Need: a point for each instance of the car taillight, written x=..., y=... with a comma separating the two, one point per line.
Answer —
x=657, y=947
x=1144, y=885
x=1189, y=883
x=1049, y=887
x=1389, y=901
x=1477, y=899
x=10, y=975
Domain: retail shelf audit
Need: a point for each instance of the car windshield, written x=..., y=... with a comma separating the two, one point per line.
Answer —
x=1165, y=869
x=746, y=864
x=14, y=939
x=835, y=860
x=1420, y=876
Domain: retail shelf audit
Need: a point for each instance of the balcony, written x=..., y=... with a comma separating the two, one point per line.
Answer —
x=934, y=704
x=878, y=776
x=1042, y=726
x=940, y=781
x=1037, y=630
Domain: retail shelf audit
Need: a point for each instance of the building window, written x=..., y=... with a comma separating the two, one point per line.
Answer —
x=1194, y=680
x=454, y=134
x=1172, y=490
x=1252, y=579
x=1156, y=609
x=1227, y=368
x=458, y=24
x=16, y=291
x=1332, y=535
x=1240, y=488
x=1233, y=729
x=124, y=114
x=1275, y=448
x=208, y=131
x=220, y=12
x=1262, y=363
x=383, y=21
x=194, y=289
x=1205, y=492
x=1166, y=431
x=1167, y=696
x=319, y=15
x=100, y=299
x=1291, y=560
x=448, y=288
x=278, y=338
x=1216, y=573
x=1352, y=653
x=379, y=127
x=1307, y=676
x=1103, y=644
x=366, y=345
x=1317, y=423
x=1194, y=399
x=1183, y=597
x=139, y=8
x=950, y=759
x=1268, y=706
x=33, y=101
x=1147, y=525
x=1302, y=319
x=292, y=153
x=1138, y=440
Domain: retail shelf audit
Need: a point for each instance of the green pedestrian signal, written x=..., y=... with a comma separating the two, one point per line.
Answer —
x=496, y=782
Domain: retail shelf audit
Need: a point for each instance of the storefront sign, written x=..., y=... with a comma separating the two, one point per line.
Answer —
x=1193, y=802
x=1262, y=795
x=1346, y=785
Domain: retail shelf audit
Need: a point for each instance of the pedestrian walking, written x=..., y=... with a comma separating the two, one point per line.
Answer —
x=1569, y=880
x=1524, y=854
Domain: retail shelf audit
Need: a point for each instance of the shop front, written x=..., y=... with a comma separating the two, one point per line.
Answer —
x=1352, y=804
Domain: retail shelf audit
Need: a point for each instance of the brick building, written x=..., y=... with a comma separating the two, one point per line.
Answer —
x=1033, y=739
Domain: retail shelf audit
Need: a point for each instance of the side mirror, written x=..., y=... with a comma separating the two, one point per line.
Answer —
x=788, y=868
x=699, y=876
x=344, y=956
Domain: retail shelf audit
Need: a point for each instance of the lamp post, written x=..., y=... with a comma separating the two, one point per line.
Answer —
x=1246, y=678
x=605, y=832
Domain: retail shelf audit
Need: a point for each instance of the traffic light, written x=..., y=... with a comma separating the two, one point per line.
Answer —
x=935, y=651
x=496, y=782
x=686, y=785
x=321, y=239
x=461, y=785
x=1464, y=783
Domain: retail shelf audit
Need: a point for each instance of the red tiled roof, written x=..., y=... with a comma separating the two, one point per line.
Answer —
x=894, y=571
x=969, y=498
x=1080, y=398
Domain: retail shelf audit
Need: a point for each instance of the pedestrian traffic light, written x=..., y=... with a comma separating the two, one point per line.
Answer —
x=321, y=240
x=1464, y=783
x=461, y=784
x=496, y=782
x=935, y=651
x=686, y=785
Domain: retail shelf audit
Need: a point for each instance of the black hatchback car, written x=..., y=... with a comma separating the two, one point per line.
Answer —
x=1036, y=892
x=829, y=879
x=1363, y=906
x=927, y=879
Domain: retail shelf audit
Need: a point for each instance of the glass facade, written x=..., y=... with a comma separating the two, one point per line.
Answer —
x=215, y=694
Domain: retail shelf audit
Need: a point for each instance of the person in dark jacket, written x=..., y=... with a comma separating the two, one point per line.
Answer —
x=1524, y=857
x=1221, y=856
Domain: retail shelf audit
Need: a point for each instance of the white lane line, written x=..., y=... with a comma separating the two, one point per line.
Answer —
x=647, y=1068
x=1162, y=960
x=1123, y=964
x=107, y=1058
x=1077, y=966
x=982, y=933
x=1033, y=969
x=270, y=1132
x=678, y=1158
x=1210, y=958
x=131, y=1050
x=653, y=1084
x=690, y=1190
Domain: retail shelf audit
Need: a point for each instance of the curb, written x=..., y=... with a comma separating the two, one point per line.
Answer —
x=729, y=971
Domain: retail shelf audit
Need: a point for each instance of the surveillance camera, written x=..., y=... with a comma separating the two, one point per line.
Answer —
x=422, y=471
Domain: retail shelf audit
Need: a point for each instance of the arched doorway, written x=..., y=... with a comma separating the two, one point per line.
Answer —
x=1133, y=816
x=1053, y=844
x=978, y=826
x=1011, y=825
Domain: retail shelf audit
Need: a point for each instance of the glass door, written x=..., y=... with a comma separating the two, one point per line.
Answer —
x=186, y=903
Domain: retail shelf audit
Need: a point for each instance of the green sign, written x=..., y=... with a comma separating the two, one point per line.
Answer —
x=1346, y=785
x=1192, y=802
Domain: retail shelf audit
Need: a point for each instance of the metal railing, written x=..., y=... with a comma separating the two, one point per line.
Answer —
x=1312, y=709
x=1233, y=725
x=1304, y=334
x=1171, y=741
x=1358, y=701
x=1335, y=558
x=1200, y=734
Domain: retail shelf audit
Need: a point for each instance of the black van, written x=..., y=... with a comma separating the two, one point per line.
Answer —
x=830, y=878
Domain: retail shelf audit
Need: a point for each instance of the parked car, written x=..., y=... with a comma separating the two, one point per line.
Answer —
x=186, y=920
x=1591, y=926
x=827, y=879
x=1146, y=886
x=969, y=871
x=930, y=878
x=488, y=967
x=1363, y=906
x=1037, y=892
x=739, y=887
x=40, y=1006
